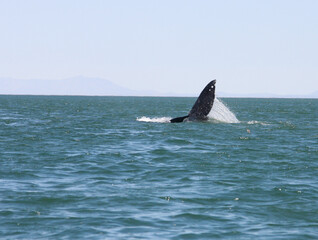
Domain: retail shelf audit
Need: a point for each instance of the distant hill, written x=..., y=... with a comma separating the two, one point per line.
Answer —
x=314, y=95
x=101, y=87
x=69, y=86
x=265, y=95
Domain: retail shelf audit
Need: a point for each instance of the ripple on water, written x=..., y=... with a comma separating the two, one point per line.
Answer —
x=83, y=167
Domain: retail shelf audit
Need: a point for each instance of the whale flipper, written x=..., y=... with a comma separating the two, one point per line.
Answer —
x=202, y=106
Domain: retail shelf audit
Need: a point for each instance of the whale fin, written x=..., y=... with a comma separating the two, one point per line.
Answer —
x=204, y=103
x=178, y=119
x=202, y=106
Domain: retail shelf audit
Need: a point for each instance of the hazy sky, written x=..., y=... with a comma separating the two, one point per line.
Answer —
x=249, y=46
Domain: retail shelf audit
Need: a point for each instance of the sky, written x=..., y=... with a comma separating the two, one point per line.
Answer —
x=167, y=46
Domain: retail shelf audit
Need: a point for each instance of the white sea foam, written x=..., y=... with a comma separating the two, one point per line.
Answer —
x=257, y=122
x=155, y=120
x=222, y=113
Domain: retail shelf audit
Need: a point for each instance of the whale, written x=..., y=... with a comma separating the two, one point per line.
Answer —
x=201, y=107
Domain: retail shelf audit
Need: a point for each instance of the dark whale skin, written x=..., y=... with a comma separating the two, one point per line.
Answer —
x=201, y=107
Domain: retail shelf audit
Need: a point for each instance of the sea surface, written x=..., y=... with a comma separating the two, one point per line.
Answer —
x=74, y=167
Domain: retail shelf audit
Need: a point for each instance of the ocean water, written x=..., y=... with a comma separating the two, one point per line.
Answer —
x=113, y=168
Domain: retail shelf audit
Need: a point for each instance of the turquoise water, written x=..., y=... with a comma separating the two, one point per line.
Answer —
x=111, y=168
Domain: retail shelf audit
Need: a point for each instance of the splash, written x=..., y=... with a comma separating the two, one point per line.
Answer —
x=155, y=120
x=222, y=113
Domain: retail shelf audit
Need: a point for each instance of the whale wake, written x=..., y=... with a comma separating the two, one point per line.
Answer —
x=154, y=120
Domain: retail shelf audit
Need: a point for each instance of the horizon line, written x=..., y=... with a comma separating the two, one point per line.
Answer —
x=133, y=92
x=89, y=95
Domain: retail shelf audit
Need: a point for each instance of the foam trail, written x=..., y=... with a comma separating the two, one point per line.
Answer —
x=155, y=120
x=221, y=113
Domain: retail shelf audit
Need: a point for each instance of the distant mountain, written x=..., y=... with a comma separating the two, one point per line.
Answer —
x=101, y=87
x=69, y=86
x=314, y=95
x=265, y=95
